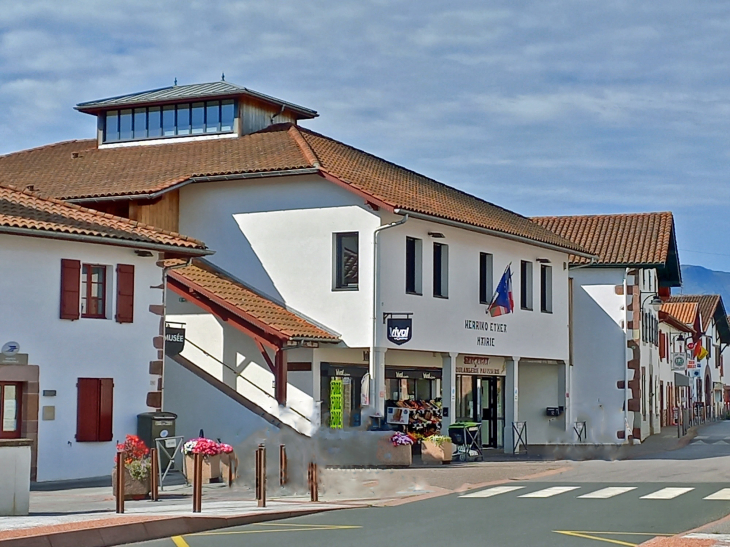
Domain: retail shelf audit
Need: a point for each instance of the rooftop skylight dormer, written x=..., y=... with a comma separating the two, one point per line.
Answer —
x=197, y=111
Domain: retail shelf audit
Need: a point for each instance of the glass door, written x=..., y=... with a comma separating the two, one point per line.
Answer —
x=10, y=402
x=491, y=391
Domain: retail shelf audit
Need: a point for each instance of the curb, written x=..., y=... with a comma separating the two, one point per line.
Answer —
x=93, y=535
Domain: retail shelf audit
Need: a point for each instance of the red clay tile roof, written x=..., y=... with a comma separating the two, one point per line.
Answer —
x=213, y=283
x=78, y=169
x=706, y=303
x=24, y=210
x=684, y=312
x=626, y=240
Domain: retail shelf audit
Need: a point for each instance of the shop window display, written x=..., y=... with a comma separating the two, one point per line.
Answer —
x=417, y=391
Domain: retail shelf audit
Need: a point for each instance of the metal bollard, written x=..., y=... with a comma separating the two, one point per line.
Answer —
x=313, y=481
x=154, y=475
x=197, y=482
x=120, y=481
x=282, y=465
x=261, y=475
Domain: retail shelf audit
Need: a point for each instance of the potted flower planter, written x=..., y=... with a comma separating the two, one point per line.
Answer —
x=211, y=468
x=229, y=466
x=134, y=489
x=435, y=451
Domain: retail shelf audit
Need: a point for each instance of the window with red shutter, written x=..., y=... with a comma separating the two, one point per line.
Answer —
x=94, y=413
x=70, y=288
x=125, y=293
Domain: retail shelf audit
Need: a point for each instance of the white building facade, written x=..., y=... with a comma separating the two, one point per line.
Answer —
x=80, y=322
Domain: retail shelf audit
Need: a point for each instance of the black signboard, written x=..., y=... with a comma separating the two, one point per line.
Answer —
x=412, y=374
x=400, y=330
x=174, y=340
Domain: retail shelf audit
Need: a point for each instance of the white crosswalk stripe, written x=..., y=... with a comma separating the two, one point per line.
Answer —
x=489, y=492
x=723, y=495
x=609, y=492
x=666, y=493
x=550, y=492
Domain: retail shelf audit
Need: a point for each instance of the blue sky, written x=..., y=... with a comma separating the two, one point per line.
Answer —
x=544, y=107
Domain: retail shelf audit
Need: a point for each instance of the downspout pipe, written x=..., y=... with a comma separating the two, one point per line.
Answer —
x=374, y=377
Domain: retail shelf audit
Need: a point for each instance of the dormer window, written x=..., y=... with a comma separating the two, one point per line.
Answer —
x=154, y=122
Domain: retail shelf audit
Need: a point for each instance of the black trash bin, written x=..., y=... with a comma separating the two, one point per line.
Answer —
x=156, y=425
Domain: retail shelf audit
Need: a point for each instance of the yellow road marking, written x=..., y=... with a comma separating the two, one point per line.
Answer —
x=597, y=538
x=614, y=533
x=308, y=528
x=179, y=541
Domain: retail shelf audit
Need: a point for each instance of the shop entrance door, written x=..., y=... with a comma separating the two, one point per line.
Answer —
x=10, y=399
x=491, y=391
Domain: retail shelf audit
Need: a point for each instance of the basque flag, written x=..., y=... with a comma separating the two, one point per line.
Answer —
x=502, y=302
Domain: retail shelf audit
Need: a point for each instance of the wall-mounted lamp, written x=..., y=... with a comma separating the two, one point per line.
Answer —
x=679, y=338
x=543, y=260
x=436, y=235
x=655, y=303
x=140, y=252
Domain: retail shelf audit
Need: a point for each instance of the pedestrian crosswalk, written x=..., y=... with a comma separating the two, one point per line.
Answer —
x=608, y=492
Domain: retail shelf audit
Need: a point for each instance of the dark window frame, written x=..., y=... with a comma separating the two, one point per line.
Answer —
x=222, y=126
x=440, y=270
x=340, y=282
x=486, y=278
x=526, y=285
x=546, y=289
x=414, y=273
x=87, y=271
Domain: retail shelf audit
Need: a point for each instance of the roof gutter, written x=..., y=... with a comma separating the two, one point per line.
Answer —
x=104, y=241
x=212, y=178
x=495, y=233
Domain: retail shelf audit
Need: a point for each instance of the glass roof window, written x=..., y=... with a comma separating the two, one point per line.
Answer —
x=178, y=120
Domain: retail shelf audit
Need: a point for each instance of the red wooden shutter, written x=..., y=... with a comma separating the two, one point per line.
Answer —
x=661, y=345
x=87, y=410
x=125, y=293
x=70, y=288
x=106, y=407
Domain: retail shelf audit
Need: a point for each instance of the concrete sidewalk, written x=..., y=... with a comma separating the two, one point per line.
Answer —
x=85, y=517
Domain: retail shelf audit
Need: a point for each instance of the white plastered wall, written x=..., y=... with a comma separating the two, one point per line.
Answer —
x=30, y=280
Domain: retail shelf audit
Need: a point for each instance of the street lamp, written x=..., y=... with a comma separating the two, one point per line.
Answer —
x=655, y=303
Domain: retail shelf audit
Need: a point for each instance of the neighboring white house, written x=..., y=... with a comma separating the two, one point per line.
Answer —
x=615, y=323
x=394, y=270
x=80, y=327
x=674, y=380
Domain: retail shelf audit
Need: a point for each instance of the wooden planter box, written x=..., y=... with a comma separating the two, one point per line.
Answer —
x=393, y=455
x=229, y=467
x=435, y=453
x=211, y=468
x=133, y=489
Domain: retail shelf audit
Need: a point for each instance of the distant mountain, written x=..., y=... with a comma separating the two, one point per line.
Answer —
x=699, y=280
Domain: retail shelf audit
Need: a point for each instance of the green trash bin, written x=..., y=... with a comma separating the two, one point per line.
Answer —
x=156, y=425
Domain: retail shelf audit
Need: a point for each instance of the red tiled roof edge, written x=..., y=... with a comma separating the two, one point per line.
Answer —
x=184, y=241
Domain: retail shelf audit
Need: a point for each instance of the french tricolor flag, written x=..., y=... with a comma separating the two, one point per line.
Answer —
x=502, y=302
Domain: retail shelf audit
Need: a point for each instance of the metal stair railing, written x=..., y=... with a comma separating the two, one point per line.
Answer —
x=239, y=375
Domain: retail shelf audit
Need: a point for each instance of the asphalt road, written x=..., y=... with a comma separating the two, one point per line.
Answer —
x=549, y=512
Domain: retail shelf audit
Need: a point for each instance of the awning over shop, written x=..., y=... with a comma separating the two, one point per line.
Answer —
x=681, y=380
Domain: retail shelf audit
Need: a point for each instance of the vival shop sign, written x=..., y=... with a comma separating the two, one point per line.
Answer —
x=174, y=340
x=400, y=330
